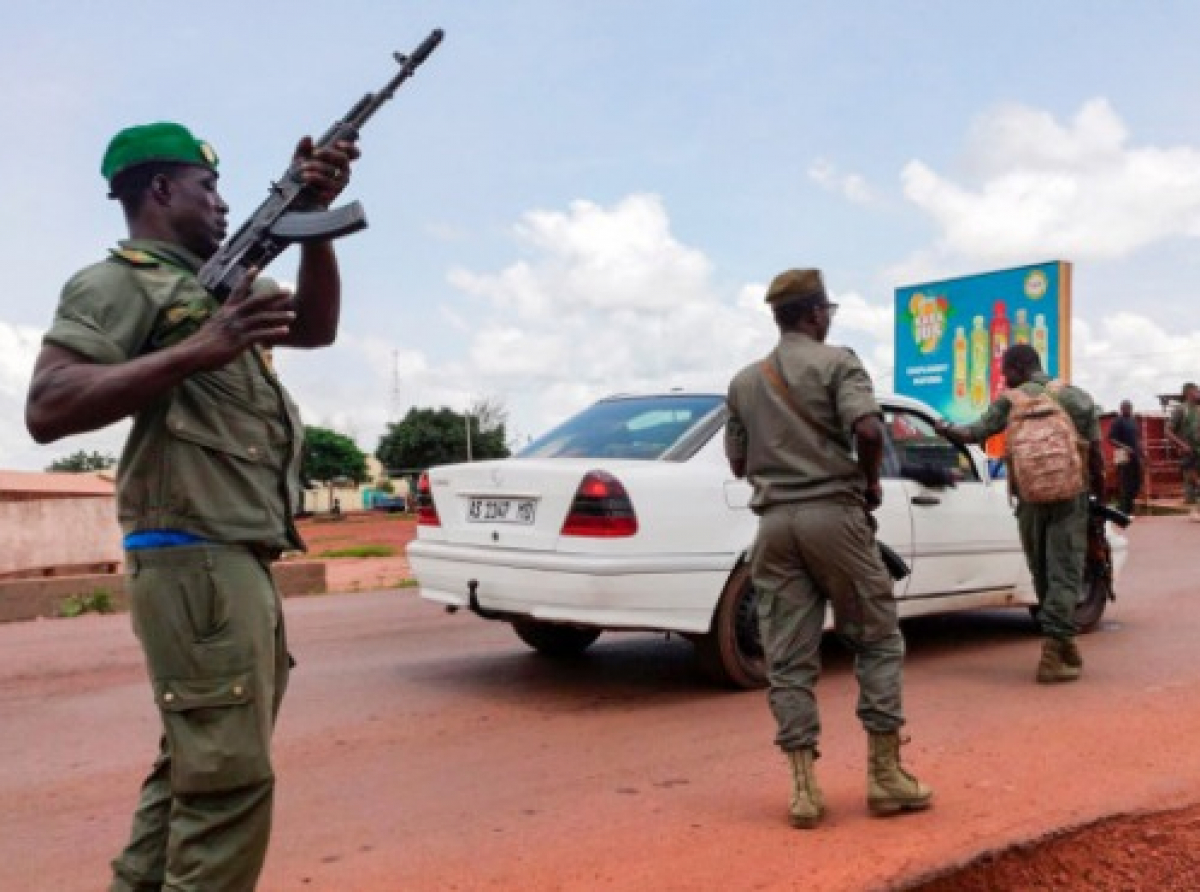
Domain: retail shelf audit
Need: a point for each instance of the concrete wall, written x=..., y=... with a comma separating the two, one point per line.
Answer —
x=23, y=599
x=58, y=532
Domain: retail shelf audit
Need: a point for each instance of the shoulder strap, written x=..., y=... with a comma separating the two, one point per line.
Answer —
x=1017, y=396
x=132, y=257
x=1052, y=388
x=772, y=371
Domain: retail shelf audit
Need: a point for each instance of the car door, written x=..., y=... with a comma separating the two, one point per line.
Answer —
x=893, y=517
x=964, y=536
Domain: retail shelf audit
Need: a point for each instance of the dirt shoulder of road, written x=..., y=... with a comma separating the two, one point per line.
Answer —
x=341, y=544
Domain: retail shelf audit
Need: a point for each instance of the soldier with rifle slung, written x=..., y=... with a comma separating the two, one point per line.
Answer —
x=804, y=428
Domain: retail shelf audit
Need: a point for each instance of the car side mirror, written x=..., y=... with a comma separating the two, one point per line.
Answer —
x=931, y=462
x=928, y=475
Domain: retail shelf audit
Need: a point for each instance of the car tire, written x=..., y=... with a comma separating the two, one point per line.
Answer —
x=554, y=639
x=731, y=653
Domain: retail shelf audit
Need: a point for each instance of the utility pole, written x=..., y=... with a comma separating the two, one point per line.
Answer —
x=467, y=422
x=395, y=402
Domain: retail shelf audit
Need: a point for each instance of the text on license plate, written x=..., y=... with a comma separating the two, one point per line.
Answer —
x=501, y=510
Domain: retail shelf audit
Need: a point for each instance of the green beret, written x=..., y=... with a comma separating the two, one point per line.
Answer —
x=797, y=285
x=155, y=142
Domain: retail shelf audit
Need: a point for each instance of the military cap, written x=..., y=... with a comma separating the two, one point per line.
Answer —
x=797, y=285
x=161, y=142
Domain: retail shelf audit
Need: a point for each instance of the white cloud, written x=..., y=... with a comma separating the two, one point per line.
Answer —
x=1128, y=356
x=18, y=350
x=595, y=258
x=851, y=186
x=605, y=299
x=1034, y=187
x=19, y=346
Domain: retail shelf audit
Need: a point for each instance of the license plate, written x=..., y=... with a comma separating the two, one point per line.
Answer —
x=519, y=511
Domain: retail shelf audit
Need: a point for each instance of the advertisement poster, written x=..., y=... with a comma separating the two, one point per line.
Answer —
x=951, y=334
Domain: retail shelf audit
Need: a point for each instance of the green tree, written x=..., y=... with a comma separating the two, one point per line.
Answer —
x=429, y=437
x=330, y=456
x=82, y=461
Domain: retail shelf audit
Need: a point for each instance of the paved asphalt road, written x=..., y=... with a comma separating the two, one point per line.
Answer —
x=420, y=751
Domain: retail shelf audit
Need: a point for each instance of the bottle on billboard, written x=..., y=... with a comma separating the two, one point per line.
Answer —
x=960, y=363
x=1041, y=341
x=1021, y=331
x=999, y=337
x=980, y=348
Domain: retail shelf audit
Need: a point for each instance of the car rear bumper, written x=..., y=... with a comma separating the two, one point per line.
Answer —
x=673, y=592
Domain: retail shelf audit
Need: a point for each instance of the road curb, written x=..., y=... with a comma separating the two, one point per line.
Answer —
x=26, y=599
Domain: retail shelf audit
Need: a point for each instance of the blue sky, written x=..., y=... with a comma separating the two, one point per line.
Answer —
x=571, y=199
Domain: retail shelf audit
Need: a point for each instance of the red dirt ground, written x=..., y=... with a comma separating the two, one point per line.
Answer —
x=357, y=529
x=1158, y=852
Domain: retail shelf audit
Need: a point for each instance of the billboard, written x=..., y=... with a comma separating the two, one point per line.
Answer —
x=951, y=334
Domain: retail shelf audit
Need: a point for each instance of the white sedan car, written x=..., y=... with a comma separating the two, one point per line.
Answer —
x=626, y=517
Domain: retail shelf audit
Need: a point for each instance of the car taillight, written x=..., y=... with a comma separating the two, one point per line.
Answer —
x=601, y=508
x=427, y=515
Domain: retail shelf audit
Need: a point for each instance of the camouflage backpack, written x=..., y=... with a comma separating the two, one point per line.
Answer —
x=1045, y=452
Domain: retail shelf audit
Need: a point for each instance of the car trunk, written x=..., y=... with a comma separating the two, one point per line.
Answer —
x=513, y=503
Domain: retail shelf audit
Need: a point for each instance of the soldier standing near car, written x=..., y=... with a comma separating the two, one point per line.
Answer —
x=1053, y=534
x=1183, y=431
x=206, y=486
x=796, y=421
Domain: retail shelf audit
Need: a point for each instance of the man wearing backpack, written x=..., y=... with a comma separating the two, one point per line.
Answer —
x=1053, y=511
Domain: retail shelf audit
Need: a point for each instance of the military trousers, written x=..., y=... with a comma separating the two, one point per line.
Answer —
x=809, y=556
x=1054, y=538
x=1129, y=479
x=1189, y=467
x=210, y=621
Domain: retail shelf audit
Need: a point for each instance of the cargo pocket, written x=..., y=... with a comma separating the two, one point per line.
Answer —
x=877, y=606
x=215, y=736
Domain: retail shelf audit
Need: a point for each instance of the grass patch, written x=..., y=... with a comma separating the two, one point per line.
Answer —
x=99, y=601
x=405, y=583
x=360, y=551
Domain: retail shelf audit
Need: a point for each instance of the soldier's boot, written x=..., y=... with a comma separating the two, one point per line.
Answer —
x=1071, y=655
x=1054, y=667
x=808, y=805
x=891, y=789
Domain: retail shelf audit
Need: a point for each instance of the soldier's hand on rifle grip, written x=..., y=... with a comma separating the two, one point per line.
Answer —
x=326, y=171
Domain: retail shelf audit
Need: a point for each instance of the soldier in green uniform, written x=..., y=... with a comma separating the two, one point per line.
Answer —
x=1054, y=534
x=206, y=487
x=1183, y=431
x=796, y=420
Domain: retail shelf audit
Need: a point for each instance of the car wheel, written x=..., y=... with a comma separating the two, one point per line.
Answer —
x=554, y=639
x=731, y=652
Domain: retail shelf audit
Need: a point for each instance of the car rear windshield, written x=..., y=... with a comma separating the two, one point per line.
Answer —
x=626, y=427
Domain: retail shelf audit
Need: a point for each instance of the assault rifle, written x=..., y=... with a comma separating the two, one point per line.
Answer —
x=288, y=214
x=896, y=566
x=1100, y=511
